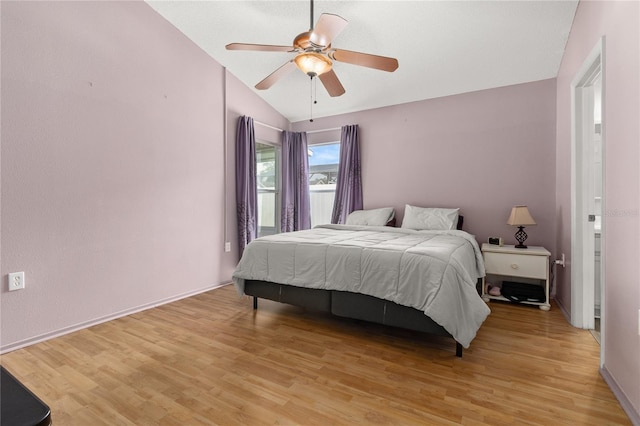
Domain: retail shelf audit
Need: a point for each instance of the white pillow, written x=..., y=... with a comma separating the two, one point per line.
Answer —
x=429, y=218
x=374, y=217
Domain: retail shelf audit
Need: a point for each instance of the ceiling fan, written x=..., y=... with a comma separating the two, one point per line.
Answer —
x=315, y=56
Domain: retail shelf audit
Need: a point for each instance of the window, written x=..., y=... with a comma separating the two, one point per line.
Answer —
x=323, y=174
x=268, y=180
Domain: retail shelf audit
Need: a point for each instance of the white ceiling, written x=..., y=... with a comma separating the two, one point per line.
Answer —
x=443, y=47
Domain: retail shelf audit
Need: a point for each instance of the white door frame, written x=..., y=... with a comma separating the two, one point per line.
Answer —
x=582, y=235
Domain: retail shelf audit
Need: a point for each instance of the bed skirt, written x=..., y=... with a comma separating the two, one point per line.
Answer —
x=349, y=305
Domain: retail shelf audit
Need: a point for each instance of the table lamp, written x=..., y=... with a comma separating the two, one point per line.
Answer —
x=520, y=217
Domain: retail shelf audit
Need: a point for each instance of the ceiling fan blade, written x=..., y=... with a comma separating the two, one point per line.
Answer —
x=330, y=82
x=382, y=63
x=273, y=78
x=259, y=47
x=327, y=28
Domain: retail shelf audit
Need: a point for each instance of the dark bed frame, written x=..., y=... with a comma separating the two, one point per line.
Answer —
x=348, y=305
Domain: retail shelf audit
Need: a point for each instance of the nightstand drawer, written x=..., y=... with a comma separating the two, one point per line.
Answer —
x=516, y=265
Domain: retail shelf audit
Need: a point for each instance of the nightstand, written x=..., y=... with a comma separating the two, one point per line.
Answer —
x=507, y=263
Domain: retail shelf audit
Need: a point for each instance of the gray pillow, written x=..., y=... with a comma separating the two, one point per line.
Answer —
x=373, y=217
x=429, y=218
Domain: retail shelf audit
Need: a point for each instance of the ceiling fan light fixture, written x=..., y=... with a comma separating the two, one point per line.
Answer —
x=312, y=63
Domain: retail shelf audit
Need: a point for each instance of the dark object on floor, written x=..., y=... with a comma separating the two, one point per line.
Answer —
x=18, y=405
x=521, y=292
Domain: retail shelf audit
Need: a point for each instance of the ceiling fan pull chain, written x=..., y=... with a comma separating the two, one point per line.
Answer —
x=315, y=91
x=311, y=103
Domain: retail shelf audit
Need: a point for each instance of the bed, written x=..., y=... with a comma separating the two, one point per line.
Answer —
x=423, y=280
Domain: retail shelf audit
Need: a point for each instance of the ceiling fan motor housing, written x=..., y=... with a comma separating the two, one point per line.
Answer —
x=302, y=40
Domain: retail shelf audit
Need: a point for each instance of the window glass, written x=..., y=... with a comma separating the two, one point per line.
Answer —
x=323, y=174
x=268, y=181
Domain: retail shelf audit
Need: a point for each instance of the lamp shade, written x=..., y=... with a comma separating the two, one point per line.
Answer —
x=312, y=63
x=520, y=216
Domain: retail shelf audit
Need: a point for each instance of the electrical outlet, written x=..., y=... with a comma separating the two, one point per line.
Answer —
x=227, y=247
x=16, y=281
x=638, y=322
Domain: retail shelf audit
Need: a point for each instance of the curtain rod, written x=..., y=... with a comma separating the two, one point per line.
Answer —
x=324, y=130
x=267, y=125
x=310, y=131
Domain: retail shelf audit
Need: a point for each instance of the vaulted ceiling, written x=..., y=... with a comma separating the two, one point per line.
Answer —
x=443, y=47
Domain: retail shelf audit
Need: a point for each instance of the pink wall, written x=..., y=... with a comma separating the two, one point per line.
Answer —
x=112, y=164
x=484, y=152
x=619, y=22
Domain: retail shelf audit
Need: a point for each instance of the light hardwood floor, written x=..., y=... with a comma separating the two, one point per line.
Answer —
x=210, y=359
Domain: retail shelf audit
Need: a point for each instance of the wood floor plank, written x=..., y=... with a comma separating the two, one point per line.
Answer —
x=212, y=360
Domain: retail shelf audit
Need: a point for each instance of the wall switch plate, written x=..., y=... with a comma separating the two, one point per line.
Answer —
x=638, y=322
x=227, y=247
x=16, y=281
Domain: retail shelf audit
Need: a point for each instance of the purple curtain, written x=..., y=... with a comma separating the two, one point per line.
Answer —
x=296, y=211
x=349, y=183
x=246, y=185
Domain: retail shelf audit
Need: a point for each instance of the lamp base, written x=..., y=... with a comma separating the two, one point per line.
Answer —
x=521, y=237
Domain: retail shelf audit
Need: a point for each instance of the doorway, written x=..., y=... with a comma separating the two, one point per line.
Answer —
x=597, y=212
x=587, y=194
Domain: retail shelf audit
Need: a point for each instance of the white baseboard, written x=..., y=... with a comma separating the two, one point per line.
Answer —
x=627, y=406
x=70, y=329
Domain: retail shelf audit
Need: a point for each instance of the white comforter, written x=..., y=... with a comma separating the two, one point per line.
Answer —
x=433, y=271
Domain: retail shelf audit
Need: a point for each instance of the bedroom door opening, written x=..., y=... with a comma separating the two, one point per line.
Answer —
x=587, y=194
